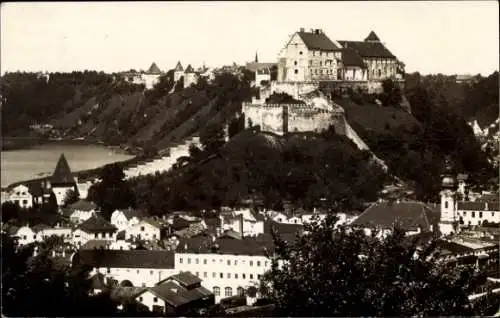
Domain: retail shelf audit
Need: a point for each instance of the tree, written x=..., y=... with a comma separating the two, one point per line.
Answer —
x=112, y=192
x=212, y=137
x=341, y=272
x=9, y=211
x=70, y=197
x=392, y=95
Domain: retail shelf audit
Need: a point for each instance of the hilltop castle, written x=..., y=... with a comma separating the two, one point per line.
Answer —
x=307, y=60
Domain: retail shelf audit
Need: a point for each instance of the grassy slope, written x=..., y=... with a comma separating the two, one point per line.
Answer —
x=376, y=118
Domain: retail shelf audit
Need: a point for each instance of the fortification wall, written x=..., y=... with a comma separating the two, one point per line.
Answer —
x=294, y=89
x=303, y=118
x=270, y=117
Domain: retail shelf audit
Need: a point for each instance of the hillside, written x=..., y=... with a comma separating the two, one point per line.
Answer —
x=105, y=108
x=301, y=168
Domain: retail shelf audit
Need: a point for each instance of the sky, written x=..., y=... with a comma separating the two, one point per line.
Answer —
x=428, y=36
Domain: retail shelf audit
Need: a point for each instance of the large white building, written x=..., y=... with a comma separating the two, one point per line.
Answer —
x=313, y=56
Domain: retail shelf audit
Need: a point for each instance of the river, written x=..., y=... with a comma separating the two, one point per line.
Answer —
x=40, y=160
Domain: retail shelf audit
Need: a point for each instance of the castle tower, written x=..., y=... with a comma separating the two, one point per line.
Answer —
x=178, y=71
x=62, y=180
x=448, y=193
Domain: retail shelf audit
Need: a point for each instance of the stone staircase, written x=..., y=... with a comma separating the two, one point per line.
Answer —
x=161, y=163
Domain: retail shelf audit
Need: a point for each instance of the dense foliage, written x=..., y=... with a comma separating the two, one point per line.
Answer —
x=338, y=272
x=112, y=192
x=300, y=168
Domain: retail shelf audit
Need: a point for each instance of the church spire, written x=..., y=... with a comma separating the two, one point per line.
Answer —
x=256, y=57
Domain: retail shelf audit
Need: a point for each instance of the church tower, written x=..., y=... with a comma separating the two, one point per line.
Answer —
x=448, y=194
x=256, y=58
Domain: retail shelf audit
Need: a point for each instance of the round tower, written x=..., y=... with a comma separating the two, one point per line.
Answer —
x=448, y=217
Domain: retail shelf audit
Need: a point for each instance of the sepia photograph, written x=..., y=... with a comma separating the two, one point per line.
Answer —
x=250, y=159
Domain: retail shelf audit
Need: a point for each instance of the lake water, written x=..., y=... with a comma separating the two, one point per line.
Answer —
x=40, y=161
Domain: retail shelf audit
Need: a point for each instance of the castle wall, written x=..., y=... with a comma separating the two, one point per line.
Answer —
x=269, y=117
x=294, y=89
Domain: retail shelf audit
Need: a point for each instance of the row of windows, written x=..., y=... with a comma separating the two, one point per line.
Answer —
x=151, y=272
x=473, y=214
x=228, y=291
x=228, y=275
x=322, y=72
x=228, y=262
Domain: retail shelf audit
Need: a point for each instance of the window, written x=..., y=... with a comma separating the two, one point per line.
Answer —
x=228, y=275
x=198, y=274
x=265, y=263
x=189, y=261
x=492, y=214
x=154, y=236
x=320, y=53
x=258, y=262
x=295, y=63
x=296, y=71
x=465, y=213
x=251, y=276
x=235, y=262
x=180, y=260
x=228, y=292
x=204, y=262
x=228, y=262
x=213, y=260
x=197, y=261
x=151, y=272
x=445, y=204
x=142, y=228
x=221, y=275
x=140, y=298
x=243, y=275
x=216, y=291
x=240, y=291
x=236, y=276
x=320, y=63
x=251, y=263
x=473, y=214
x=205, y=274
x=34, y=237
x=300, y=53
x=480, y=215
x=155, y=299
x=258, y=276
x=25, y=202
x=108, y=270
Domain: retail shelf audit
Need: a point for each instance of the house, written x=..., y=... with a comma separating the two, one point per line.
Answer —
x=65, y=233
x=62, y=180
x=26, y=235
x=308, y=56
x=351, y=66
x=458, y=213
x=140, y=268
x=95, y=227
x=277, y=216
x=380, y=63
x=242, y=221
x=463, y=249
x=124, y=219
x=180, y=294
x=146, y=229
x=152, y=76
x=21, y=196
x=80, y=211
x=228, y=266
x=190, y=77
x=96, y=245
x=411, y=216
x=178, y=72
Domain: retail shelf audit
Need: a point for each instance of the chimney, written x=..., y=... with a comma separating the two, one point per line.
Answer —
x=301, y=29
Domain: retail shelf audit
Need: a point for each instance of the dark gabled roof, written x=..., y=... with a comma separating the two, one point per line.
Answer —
x=409, y=215
x=351, y=58
x=180, y=223
x=478, y=206
x=97, y=224
x=317, y=41
x=372, y=37
x=126, y=258
x=186, y=279
x=62, y=174
x=154, y=69
x=82, y=205
x=178, y=67
x=368, y=49
x=189, y=69
x=176, y=295
x=246, y=246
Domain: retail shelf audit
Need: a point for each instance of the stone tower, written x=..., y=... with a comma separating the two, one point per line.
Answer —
x=448, y=219
x=178, y=71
